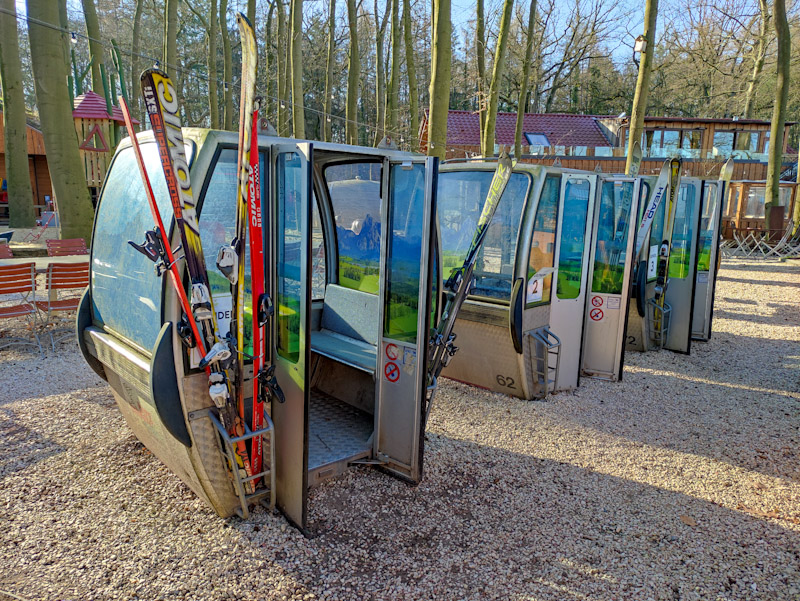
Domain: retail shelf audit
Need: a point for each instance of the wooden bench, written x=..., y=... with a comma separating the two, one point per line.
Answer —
x=348, y=328
x=66, y=247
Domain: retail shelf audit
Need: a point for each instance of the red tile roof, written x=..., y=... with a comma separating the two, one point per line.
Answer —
x=93, y=106
x=463, y=127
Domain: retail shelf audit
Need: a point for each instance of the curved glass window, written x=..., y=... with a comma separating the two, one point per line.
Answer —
x=460, y=197
x=126, y=293
x=682, y=232
x=612, y=237
x=355, y=192
x=707, y=224
x=543, y=244
x=573, y=238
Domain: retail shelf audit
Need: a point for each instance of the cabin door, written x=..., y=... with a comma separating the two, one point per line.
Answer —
x=573, y=243
x=610, y=268
x=682, y=265
x=405, y=314
x=707, y=253
x=290, y=221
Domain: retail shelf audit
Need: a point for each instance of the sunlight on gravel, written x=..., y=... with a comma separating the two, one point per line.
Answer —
x=680, y=483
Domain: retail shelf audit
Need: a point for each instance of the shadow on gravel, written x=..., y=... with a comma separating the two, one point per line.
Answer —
x=21, y=447
x=775, y=320
x=489, y=523
x=770, y=266
x=758, y=282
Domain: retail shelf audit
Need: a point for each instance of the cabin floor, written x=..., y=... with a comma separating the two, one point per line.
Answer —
x=337, y=434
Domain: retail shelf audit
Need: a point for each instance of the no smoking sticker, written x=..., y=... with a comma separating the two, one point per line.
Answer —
x=391, y=371
x=597, y=301
x=392, y=352
x=596, y=314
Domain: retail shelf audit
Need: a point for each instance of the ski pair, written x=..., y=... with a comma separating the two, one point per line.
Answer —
x=162, y=105
x=442, y=343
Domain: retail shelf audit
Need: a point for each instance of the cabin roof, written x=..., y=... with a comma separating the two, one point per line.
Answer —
x=93, y=106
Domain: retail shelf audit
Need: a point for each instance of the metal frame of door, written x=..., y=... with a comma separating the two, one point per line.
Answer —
x=680, y=291
x=401, y=380
x=706, y=280
x=605, y=320
x=291, y=417
x=565, y=313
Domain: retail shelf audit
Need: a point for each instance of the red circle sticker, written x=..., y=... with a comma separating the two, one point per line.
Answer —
x=597, y=301
x=596, y=314
x=392, y=372
x=392, y=352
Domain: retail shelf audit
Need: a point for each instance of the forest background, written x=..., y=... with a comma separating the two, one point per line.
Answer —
x=366, y=65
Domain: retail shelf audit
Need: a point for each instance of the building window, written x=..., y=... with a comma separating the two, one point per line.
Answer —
x=537, y=139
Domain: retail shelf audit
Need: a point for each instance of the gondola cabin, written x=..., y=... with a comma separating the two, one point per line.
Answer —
x=550, y=298
x=349, y=271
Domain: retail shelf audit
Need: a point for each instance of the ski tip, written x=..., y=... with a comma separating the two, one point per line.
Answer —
x=147, y=73
x=242, y=20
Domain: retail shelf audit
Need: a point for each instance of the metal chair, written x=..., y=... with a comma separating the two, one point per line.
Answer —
x=65, y=285
x=19, y=282
x=66, y=247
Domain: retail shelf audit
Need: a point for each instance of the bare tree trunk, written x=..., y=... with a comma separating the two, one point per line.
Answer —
x=251, y=13
x=487, y=140
x=135, y=40
x=61, y=143
x=95, y=47
x=211, y=61
x=480, y=48
x=298, y=111
x=441, y=63
x=380, y=82
x=523, y=88
x=227, y=67
x=281, y=65
x=758, y=60
x=411, y=71
x=20, y=194
x=268, y=112
x=328, y=106
x=353, y=68
x=390, y=118
x=642, y=81
x=776, y=131
x=171, y=37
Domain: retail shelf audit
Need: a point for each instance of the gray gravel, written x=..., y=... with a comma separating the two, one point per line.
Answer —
x=682, y=482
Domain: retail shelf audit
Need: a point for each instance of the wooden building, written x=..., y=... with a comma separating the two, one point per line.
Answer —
x=599, y=143
x=37, y=167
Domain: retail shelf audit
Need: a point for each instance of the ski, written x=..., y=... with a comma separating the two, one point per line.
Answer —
x=662, y=269
x=662, y=183
x=156, y=246
x=442, y=343
x=161, y=103
x=231, y=258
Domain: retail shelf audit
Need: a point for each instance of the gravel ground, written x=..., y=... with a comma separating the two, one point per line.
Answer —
x=680, y=483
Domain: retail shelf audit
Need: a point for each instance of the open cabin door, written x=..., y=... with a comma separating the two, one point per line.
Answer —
x=707, y=259
x=405, y=295
x=573, y=242
x=290, y=227
x=610, y=268
x=682, y=265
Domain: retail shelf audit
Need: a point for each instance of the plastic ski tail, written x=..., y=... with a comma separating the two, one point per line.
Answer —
x=156, y=246
x=662, y=275
x=442, y=347
x=161, y=102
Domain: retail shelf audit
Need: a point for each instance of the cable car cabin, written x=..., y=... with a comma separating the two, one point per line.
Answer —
x=692, y=271
x=550, y=295
x=349, y=271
